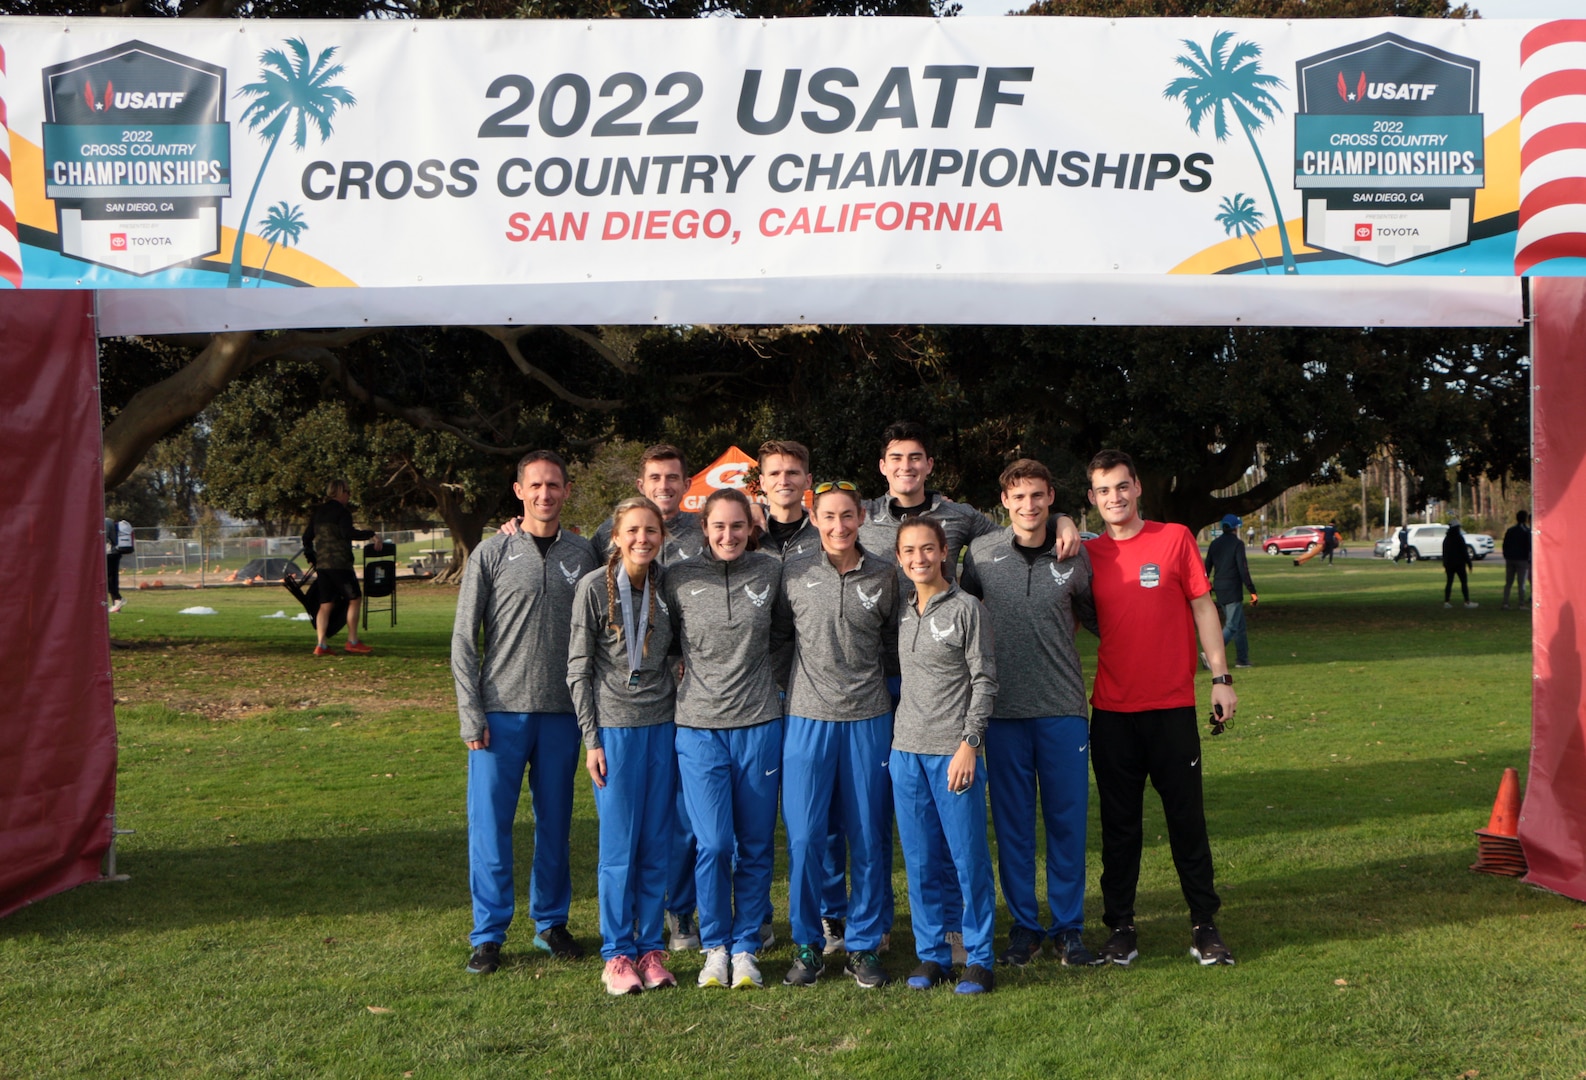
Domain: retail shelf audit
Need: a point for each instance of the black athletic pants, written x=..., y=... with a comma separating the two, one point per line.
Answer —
x=1164, y=746
x=1448, y=582
x=113, y=574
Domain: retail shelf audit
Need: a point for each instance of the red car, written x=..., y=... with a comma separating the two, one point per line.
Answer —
x=1298, y=539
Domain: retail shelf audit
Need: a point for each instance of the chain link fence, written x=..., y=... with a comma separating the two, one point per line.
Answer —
x=229, y=554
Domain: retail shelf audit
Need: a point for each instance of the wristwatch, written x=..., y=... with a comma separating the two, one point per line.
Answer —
x=974, y=742
x=1222, y=680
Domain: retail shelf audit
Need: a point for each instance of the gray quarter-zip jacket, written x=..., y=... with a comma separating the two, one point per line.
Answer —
x=597, y=663
x=961, y=523
x=1032, y=608
x=949, y=673
x=722, y=616
x=524, y=605
x=685, y=539
x=843, y=627
x=804, y=541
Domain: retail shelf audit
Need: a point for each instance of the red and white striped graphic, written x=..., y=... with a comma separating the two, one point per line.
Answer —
x=1552, y=144
x=10, y=246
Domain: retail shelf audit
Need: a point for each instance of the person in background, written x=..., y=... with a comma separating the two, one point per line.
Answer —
x=515, y=710
x=1404, y=544
x=118, y=542
x=1516, y=559
x=623, y=690
x=1329, y=541
x=1456, y=563
x=327, y=542
x=1230, y=574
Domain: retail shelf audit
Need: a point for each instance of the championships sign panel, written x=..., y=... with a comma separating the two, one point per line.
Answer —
x=150, y=154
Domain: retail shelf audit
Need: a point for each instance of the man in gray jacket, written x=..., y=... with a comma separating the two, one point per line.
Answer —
x=663, y=479
x=1038, y=736
x=516, y=712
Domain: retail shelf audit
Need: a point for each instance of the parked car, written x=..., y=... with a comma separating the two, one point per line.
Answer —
x=1426, y=542
x=1299, y=538
x=1380, y=550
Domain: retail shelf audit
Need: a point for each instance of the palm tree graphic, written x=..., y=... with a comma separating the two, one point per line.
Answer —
x=1224, y=80
x=1239, y=215
x=294, y=93
x=284, y=225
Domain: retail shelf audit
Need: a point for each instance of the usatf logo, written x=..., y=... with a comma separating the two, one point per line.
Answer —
x=118, y=241
x=1150, y=576
x=1384, y=91
x=1362, y=234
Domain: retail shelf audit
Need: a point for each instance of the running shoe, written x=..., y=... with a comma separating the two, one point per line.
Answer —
x=832, y=930
x=357, y=648
x=807, y=966
x=620, y=977
x=1207, y=947
x=653, y=972
x=486, y=958
x=118, y=605
x=320, y=650
x=767, y=935
x=559, y=943
x=717, y=970
x=976, y=980
x=1024, y=945
x=930, y=974
x=1072, y=952
x=866, y=969
x=682, y=932
x=1471, y=603
x=746, y=972
x=1121, y=947
x=955, y=938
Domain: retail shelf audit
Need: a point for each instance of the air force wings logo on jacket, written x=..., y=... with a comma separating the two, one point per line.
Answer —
x=942, y=635
x=869, y=600
x=758, y=599
x=1060, y=576
x=572, y=575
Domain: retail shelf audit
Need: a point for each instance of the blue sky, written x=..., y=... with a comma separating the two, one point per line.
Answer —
x=1490, y=9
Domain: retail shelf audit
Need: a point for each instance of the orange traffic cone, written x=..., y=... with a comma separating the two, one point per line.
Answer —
x=1498, y=845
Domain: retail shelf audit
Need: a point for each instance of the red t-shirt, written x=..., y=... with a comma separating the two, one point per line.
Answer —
x=1143, y=587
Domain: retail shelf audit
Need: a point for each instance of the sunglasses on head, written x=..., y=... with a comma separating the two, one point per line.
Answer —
x=839, y=485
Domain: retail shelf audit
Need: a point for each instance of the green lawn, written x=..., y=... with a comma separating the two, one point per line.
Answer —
x=299, y=862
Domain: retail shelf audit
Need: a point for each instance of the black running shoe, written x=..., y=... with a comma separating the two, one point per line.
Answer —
x=1023, y=946
x=559, y=943
x=1207, y=947
x=976, y=980
x=1072, y=952
x=931, y=974
x=807, y=966
x=486, y=958
x=866, y=969
x=1121, y=947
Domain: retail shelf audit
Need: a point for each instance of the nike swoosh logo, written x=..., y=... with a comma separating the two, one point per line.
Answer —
x=696, y=592
x=811, y=584
x=1083, y=746
x=999, y=558
x=768, y=772
x=519, y=555
x=1192, y=764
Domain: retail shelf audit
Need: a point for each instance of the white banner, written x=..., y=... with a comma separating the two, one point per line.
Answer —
x=723, y=154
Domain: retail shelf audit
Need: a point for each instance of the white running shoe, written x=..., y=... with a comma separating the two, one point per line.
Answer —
x=717, y=970
x=746, y=972
x=116, y=606
x=682, y=932
x=833, y=931
x=1471, y=603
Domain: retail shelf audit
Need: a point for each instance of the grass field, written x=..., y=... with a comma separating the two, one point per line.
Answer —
x=299, y=907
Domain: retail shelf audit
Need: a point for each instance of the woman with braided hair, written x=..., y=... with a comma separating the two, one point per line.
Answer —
x=623, y=695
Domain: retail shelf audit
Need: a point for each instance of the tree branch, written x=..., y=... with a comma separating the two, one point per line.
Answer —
x=606, y=352
x=508, y=337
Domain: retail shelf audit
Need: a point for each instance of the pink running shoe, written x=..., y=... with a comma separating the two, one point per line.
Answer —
x=652, y=969
x=620, y=978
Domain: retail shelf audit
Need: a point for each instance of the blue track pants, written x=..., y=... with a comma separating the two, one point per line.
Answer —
x=1052, y=754
x=635, y=809
x=846, y=762
x=681, y=854
x=730, y=780
x=940, y=827
x=546, y=746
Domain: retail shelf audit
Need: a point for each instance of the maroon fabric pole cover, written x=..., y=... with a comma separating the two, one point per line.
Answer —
x=57, y=722
x=1553, y=815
